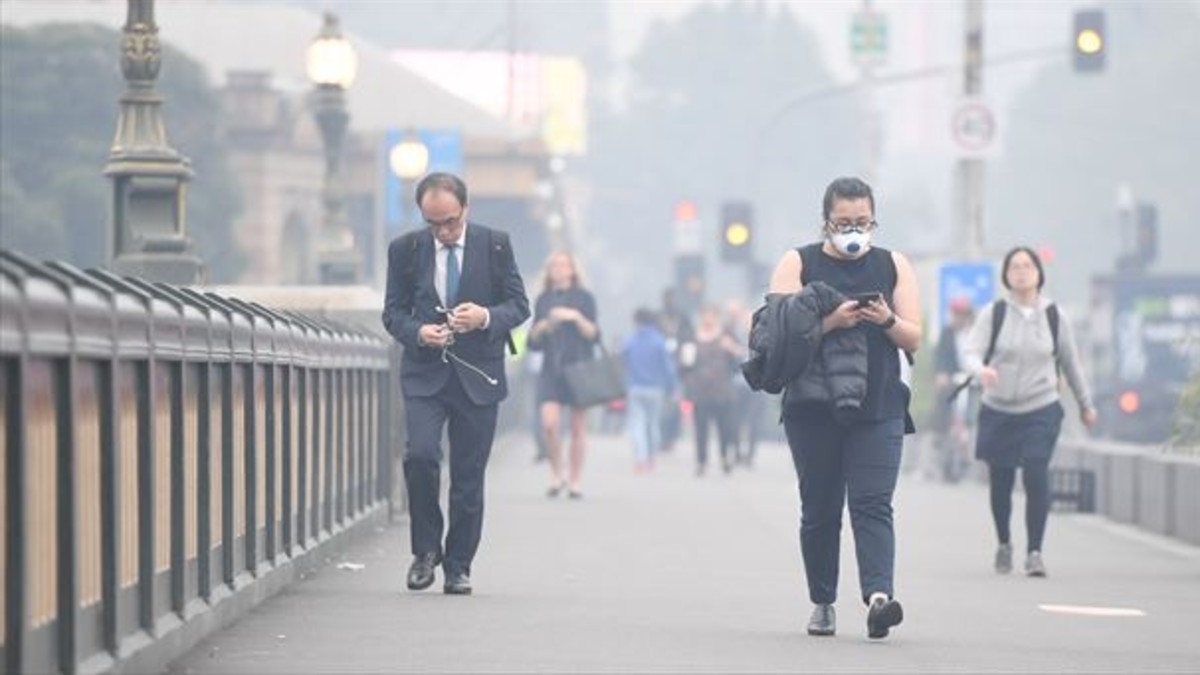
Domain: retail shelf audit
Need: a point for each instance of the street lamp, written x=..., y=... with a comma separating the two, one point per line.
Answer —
x=408, y=159
x=149, y=228
x=332, y=65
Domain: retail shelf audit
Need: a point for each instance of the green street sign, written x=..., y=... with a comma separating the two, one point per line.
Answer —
x=869, y=37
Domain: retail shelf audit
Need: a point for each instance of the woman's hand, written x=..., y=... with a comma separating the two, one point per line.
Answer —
x=988, y=377
x=876, y=311
x=562, y=314
x=845, y=316
x=1089, y=417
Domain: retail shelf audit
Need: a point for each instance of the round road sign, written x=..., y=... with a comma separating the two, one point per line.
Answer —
x=973, y=126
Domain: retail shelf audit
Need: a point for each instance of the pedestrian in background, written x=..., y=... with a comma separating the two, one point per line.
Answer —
x=676, y=327
x=1016, y=349
x=564, y=330
x=954, y=406
x=748, y=405
x=650, y=379
x=852, y=454
x=453, y=295
x=711, y=388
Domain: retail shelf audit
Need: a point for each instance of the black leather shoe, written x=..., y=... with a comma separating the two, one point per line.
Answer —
x=421, y=573
x=457, y=583
x=882, y=616
x=823, y=621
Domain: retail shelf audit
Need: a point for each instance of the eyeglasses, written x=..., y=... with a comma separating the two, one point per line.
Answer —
x=444, y=223
x=861, y=225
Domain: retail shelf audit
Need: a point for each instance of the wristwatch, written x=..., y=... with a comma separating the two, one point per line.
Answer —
x=891, y=321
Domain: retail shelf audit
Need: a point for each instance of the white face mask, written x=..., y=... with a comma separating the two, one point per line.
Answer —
x=853, y=243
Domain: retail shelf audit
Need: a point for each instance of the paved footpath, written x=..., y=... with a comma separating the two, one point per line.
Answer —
x=667, y=572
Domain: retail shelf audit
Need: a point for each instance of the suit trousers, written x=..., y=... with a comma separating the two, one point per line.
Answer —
x=856, y=463
x=472, y=428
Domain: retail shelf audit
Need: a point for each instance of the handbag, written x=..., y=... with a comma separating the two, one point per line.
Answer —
x=595, y=381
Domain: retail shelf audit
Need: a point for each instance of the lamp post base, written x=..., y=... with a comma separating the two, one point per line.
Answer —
x=180, y=269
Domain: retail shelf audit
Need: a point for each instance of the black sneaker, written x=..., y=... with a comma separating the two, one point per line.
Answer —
x=883, y=614
x=823, y=621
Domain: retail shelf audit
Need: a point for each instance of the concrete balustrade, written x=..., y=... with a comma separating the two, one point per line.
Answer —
x=1145, y=486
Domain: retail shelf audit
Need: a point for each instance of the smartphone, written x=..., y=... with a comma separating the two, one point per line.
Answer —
x=864, y=299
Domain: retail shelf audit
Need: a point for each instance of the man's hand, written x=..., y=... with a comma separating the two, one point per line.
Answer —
x=434, y=335
x=467, y=317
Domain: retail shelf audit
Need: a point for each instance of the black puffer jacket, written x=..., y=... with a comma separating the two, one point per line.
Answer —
x=787, y=350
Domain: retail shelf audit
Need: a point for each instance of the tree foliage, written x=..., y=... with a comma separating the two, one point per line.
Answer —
x=59, y=87
x=703, y=123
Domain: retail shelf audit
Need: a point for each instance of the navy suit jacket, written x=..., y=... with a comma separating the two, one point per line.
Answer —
x=407, y=307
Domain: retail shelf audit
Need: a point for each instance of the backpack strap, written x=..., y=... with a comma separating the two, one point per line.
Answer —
x=1052, y=318
x=999, y=309
x=408, y=261
x=498, y=242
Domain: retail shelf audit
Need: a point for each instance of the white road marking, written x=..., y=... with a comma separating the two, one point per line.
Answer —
x=1081, y=610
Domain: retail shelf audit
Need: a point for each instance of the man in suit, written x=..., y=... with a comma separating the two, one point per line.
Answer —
x=453, y=294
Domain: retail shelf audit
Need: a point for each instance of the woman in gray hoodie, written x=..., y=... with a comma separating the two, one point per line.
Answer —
x=1021, y=415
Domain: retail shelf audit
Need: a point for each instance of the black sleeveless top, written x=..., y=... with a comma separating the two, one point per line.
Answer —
x=887, y=396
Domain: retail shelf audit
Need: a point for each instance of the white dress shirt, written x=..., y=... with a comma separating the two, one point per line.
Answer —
x=439, y=273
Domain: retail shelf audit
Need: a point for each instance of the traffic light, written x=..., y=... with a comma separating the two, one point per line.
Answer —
x=737, y=232
x=1089, y=40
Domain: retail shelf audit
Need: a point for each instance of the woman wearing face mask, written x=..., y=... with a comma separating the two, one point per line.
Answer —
x=853, y=458
x=564, y=330
x=1021, y=415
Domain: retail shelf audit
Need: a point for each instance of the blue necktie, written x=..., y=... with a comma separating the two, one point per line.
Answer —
x=452, y=275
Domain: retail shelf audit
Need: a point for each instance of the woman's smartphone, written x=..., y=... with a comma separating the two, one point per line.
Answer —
x=864, y=299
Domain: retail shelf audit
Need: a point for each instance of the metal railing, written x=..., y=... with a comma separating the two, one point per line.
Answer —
x=169, y=458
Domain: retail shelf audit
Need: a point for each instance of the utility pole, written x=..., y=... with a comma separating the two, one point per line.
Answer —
x=868, y=47
x=512, y=62
x=870, y=128
x=970, y=169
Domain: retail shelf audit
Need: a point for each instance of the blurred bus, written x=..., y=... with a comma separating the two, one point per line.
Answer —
x=1144, y=334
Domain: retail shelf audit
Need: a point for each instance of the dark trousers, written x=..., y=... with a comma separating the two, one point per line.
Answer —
x=471, y=431
x=705, y=415
x=837, y=464
x=1035, y=475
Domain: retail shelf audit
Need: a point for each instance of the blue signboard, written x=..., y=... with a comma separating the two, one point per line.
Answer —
x=445, y=154
x=973, y=281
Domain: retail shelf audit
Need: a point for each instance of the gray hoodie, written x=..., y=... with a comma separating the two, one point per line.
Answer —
x=1024, y=359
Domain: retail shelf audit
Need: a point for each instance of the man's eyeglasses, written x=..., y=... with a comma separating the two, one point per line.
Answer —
x=445, y=222
x=861, y=225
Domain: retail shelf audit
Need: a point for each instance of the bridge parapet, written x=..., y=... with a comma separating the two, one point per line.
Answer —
x=170, y=457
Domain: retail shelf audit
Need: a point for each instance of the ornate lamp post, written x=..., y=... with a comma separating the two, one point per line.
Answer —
x=332, y=65
x=149, y=177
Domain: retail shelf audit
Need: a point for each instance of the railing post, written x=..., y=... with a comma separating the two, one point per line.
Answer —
x=14, y=355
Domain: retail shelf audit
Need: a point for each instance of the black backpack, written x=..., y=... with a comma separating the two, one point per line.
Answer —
x=498, y=243
x=998, y=311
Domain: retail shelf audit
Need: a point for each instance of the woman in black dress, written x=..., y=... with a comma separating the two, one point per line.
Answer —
x=564, y=330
